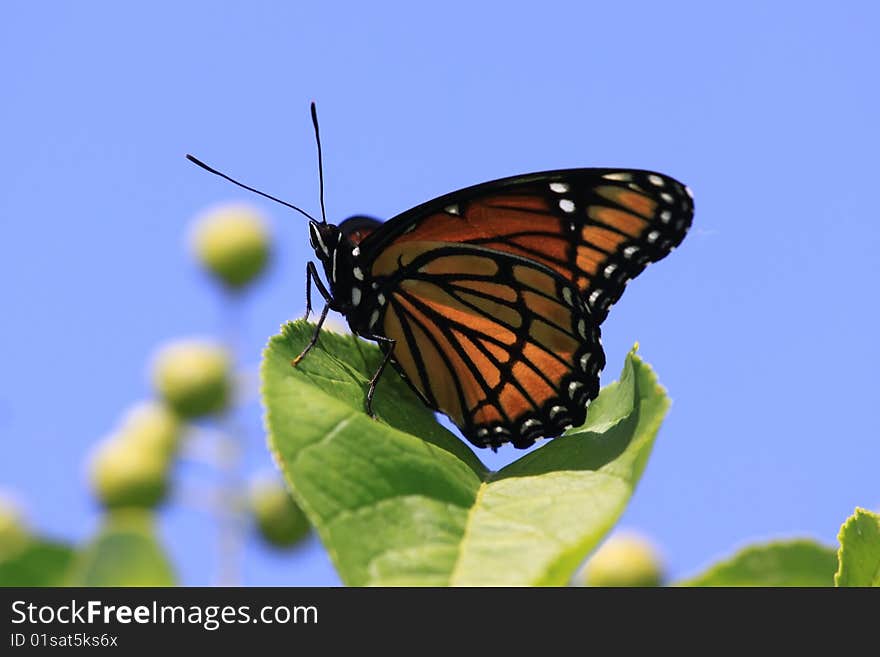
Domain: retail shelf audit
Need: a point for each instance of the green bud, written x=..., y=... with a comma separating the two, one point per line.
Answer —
x=123, y=474
x=193, y=377
x=233, y=243
x=280, y=521
x=155, y=426
x=13, y=530
x=625, y=559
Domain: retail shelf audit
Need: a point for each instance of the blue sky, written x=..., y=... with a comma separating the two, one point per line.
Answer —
x=762, y=325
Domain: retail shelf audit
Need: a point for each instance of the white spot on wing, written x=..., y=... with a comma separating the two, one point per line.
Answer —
x=609, y=270
x=666, y=196
x=567, y=205
x=381, y=299
x=566, y=294
x=374, y=318
x=356, y=251
x=556, y=410
x=687, y=190
x=358, y=274
x=630, y=251
x=559, y=187
x=573, y=387
x=585, y=360
x=652, y=236
x=594, y=296
x=665, y=216
x=452, y=209
x=582, y=328
x=655, y=180
x=622, y=176
x=355, y=296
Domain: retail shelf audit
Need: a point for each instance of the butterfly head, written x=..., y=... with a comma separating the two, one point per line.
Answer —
x=324, y=239
x=338, y=255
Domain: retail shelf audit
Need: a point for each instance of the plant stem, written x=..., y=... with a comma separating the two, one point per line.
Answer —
x=231, y=451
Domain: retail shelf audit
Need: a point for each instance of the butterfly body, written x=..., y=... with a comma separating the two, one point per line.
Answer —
x=489, y=300
x=342, y=266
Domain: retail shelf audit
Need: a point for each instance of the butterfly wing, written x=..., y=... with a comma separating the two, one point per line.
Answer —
x=503, y=345
x=494, y=294
x=597, y=228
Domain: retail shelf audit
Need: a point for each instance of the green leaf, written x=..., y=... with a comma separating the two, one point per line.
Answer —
x=402, y=501
x=124, y=553
x=780, y=563
x=39, y=562
x=859, y=553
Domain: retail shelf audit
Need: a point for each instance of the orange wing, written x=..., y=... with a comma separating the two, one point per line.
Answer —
x=501, y=344
x=597, y=228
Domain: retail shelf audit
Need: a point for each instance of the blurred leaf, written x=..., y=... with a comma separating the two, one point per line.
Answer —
x=124, y=553
x=38, y=563
x=859, y=552
x=781, y=563
x=402, y=501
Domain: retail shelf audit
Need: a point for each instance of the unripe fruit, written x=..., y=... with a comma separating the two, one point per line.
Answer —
x=233, y=243
x=123, y=474
x=279, y=520
x=193, y=377
x=625, y=559
x=155, y=426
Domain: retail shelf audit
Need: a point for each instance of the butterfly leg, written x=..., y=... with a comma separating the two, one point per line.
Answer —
x=375, y=379
x=314, y=339
x=312, y=275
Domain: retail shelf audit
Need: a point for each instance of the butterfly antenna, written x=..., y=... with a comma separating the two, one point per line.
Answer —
x=320, y=159
x=197, y=161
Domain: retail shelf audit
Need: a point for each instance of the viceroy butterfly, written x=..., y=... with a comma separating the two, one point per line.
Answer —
x=488, y=300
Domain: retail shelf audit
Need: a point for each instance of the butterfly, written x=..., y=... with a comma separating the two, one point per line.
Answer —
x=488, y=300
